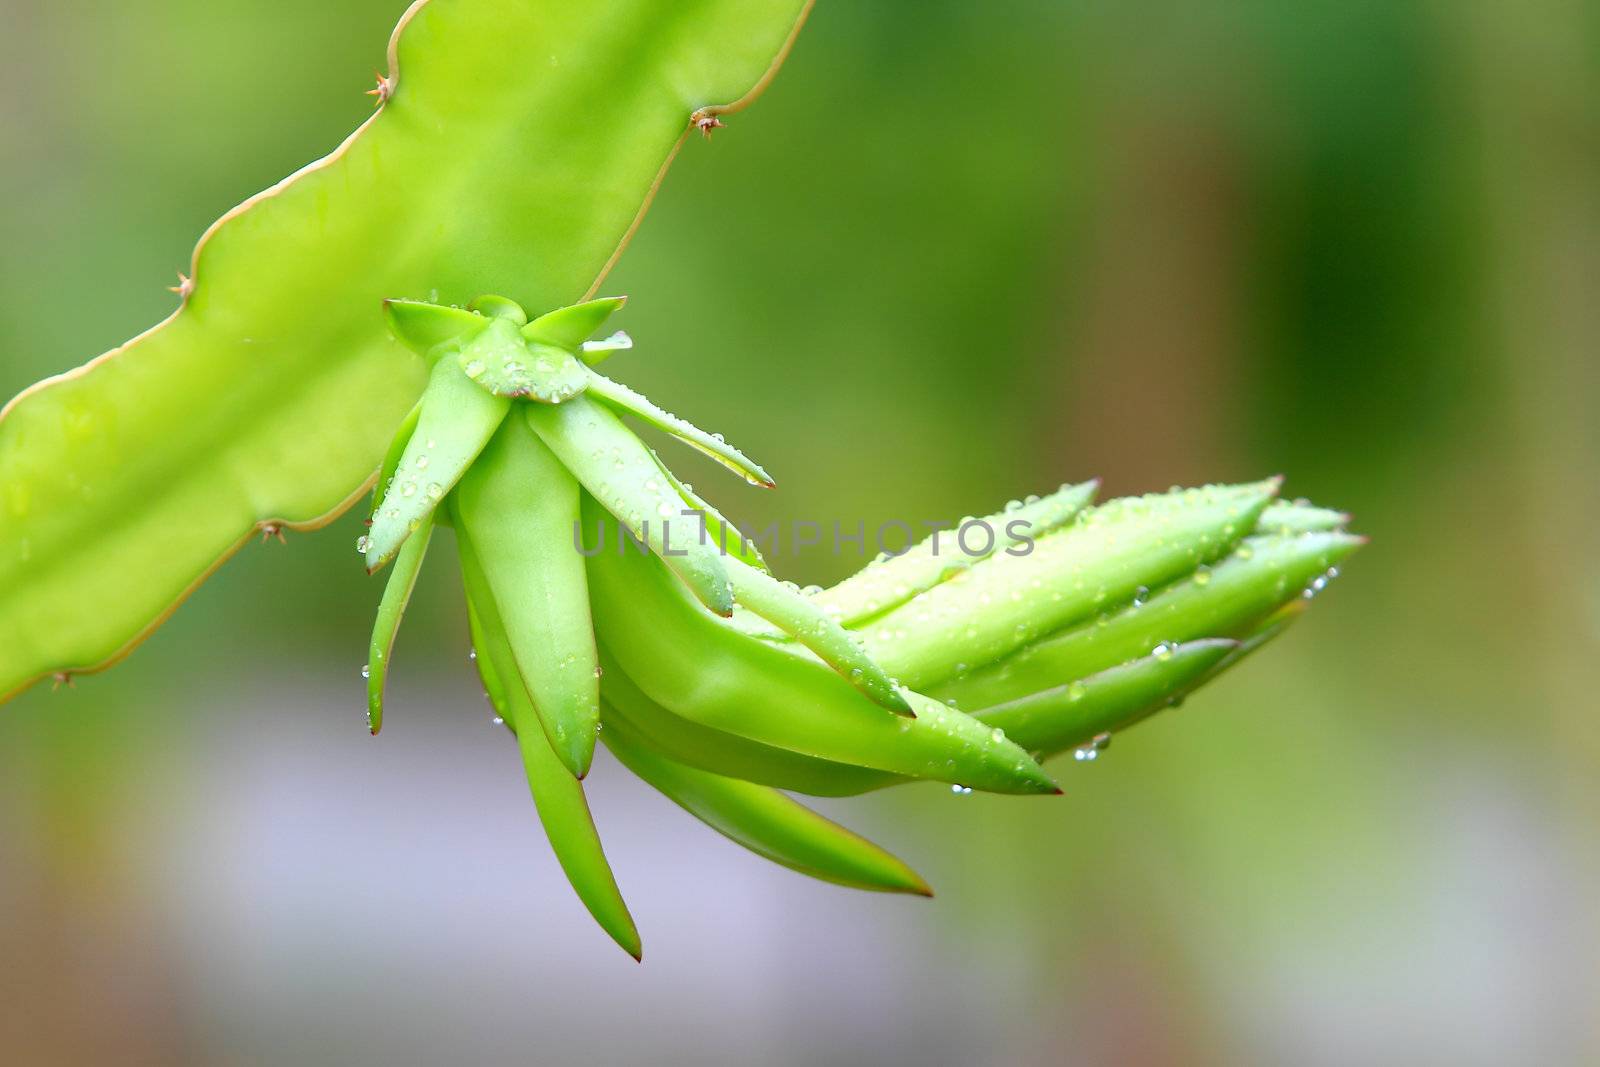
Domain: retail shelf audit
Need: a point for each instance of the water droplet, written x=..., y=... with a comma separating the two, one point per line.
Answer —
x=366, y=670
x=422, y=463
x=408, y=489
x=1163, y=651
x=1140, y=595
x=1076, y=691
x=1090, y=752
x=475, y=369
x=435, y=491
x=472, y=655
x=997, y=735
x=961, y=790
x=1202, y=575
x=363, y=543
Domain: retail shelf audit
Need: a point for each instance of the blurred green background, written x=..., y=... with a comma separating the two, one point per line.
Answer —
x=959, y=252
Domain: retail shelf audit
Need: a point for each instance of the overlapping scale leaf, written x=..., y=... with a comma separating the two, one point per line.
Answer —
x=1111, y=556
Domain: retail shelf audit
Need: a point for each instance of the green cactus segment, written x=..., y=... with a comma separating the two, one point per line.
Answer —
x=621, y=397
x=619, y=471
x=571, y=326
x=1078, y=713
x=888, y=583
x=518, y=507
x=558, y=797
x=391, y=610
x=795, y=614
x=1222, y=600
x=505, y=364
x=271, y=395
x=456, y=422
x=1104, y=560
x=704, y=670
x=1299, y=517
x=767, y=822
x=720, y=752
x=430, y=330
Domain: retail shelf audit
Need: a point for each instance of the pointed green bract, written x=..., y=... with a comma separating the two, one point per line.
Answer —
x=1299, y=517
x=886, y=584
x=558, y=797
x=719, y=531
x=595, y=353
x=391, y=459
x=272, y=394
x=1067, y=716
x=456, y=422
x=518, y=509
x=391, y=610
x=431, y=329
x=720, y=752
x=795, y=614
x=618, y=470
x=701, y=668
x=570, y=326
x=1106, y=559
x=1222, y=600
x=767, y=822
x=620, y=396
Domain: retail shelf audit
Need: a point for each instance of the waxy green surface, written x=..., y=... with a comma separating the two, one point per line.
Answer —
x=519, y=142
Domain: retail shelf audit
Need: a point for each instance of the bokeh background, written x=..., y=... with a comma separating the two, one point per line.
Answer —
x=959, y=252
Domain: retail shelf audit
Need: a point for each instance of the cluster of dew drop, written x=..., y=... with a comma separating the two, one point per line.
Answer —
x=1090, y=752
x=1319, y=583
